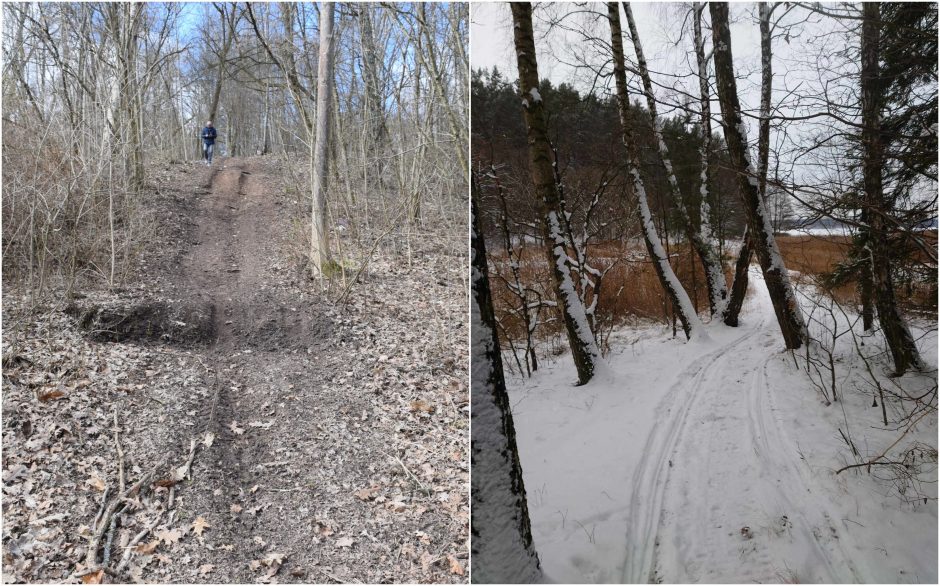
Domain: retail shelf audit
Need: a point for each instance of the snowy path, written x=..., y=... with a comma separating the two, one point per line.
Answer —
x=654, y=468
x=737, y=506
x=712, y=462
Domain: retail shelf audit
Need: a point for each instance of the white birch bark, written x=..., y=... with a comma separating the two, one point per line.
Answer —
x=707, y=253
x=691, y=324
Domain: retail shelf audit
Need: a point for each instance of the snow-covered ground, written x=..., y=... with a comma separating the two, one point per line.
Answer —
x=715, y=462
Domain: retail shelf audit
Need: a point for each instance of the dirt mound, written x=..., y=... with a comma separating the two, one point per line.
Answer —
x=180, y=324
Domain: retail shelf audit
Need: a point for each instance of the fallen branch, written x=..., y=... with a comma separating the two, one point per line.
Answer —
x=129, y=548
x=91, y=559
x=424, y=489
x=120, y=452
x=874, y=461
x=104, y=503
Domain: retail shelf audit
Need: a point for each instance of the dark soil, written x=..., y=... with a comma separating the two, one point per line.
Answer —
x=331, y=440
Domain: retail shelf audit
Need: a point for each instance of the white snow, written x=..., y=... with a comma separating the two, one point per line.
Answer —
x=498, y=540
x=536, y=96
x=655, y=471
x=696, y=331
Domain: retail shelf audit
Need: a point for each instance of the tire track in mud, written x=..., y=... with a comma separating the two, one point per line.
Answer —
x=651, y=476
x=259, y=355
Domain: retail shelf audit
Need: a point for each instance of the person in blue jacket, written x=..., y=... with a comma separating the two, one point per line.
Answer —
x=208, y=142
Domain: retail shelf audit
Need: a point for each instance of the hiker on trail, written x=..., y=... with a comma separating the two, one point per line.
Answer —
x=208, y=142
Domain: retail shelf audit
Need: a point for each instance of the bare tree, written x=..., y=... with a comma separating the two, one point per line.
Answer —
x=502, y=535
x=320, y=236
x=584, y=349
x=691, y=324
x=781, y=292
x=703, y=246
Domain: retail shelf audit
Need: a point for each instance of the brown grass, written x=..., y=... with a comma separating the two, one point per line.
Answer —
x=631, y=289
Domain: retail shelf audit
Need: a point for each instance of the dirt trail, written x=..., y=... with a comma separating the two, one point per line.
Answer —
x=333, y=441
x=282, y=483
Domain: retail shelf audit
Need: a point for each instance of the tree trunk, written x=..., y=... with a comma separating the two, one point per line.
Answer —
x=781, y=291
x=667, y=278
x=319, y=237
x=900, y=342
x=502, y=535
x=865, y=286
x=584, y=349
x=704, y=248
x=375, y=109
x=739, y=285
x=739, y=282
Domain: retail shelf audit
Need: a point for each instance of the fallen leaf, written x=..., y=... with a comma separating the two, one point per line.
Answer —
x=273, y=558
x=455, y=566
x=45, y=398
x=207, y=441
x=421, y=405
x=235, y=429
x=205, y=569
x=147, y=548
x=261, y=424
x=169, y=536
x=200, y=525
x=96, y=483
x=367, y=493
x=254, y=489
x=93, y=577
x=344, y=542
x=236, y=508
x=426, y=560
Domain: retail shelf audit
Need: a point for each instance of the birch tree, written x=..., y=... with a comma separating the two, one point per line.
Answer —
x=743, y=263
x=702, y=244
x=775, y=274
x=584, y=348
x=501, y=547
x=677, y=295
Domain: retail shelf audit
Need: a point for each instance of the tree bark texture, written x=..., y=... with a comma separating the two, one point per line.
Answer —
x=782, y=295
x=584, y=349
x=501, y=545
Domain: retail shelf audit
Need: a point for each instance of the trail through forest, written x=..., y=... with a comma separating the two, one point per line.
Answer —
x=723, y=467
x=329, y=441
x=301, y=457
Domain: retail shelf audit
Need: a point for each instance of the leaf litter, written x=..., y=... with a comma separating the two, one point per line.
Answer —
x=351, y=399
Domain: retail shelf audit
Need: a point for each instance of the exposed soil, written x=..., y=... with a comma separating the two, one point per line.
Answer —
x=331, y=441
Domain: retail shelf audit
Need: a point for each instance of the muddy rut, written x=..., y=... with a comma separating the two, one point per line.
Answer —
x=299, y=479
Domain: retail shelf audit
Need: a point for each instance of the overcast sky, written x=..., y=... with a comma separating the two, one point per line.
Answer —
x=660, y=25
x=801, y=55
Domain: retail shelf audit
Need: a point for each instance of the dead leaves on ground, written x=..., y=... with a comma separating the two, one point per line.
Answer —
x=200, y=525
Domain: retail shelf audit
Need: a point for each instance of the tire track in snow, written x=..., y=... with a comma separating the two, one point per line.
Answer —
x=774, y=453
x=649, y=480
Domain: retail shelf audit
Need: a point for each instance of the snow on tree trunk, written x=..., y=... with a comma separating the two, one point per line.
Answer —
x=781, y=291
x=691, y=324
x=704, y=247
x=502, y=535
x=584, y=349
x=900, y=342
x=319, y=237
x=739, y=280
x=739, y=284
